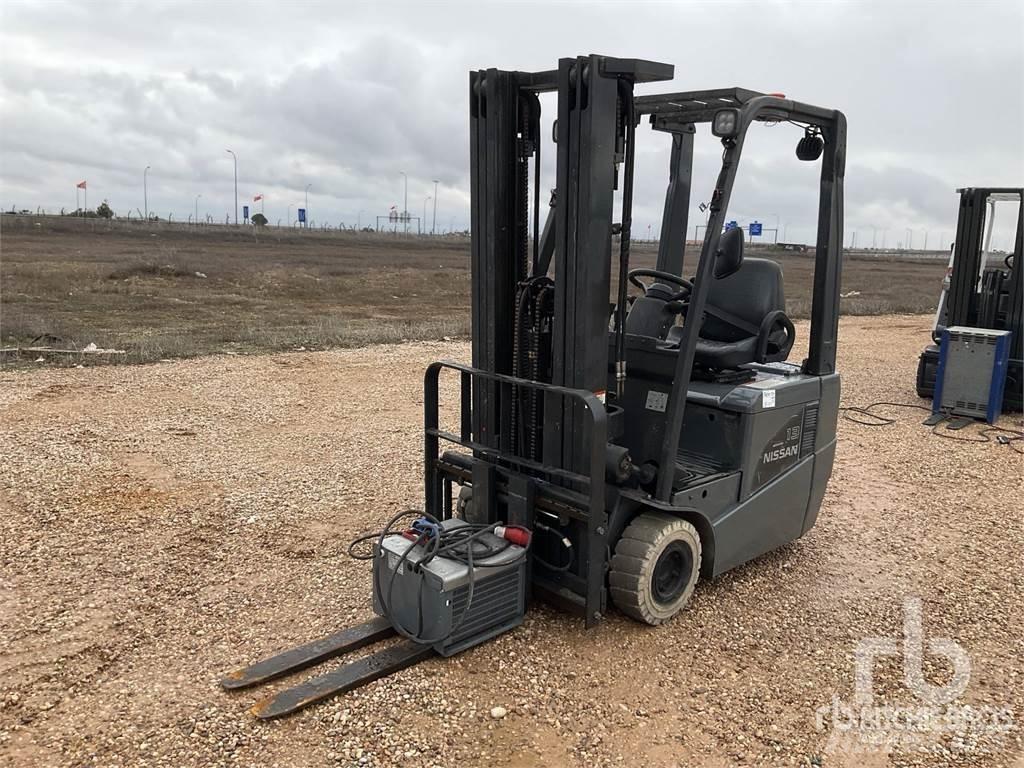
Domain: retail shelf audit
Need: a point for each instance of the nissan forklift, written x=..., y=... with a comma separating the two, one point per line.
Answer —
x=982, y=289
x=620, y=432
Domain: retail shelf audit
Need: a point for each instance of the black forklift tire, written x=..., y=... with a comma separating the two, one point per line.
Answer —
x=655, y=567
x=927, y=368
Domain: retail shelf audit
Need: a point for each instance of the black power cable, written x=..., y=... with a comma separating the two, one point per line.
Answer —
x=1003, y=435
x=565, y=542
x=879, y=421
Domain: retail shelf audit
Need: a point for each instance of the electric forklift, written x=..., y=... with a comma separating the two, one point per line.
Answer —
x=609, y=449
x=981, y=289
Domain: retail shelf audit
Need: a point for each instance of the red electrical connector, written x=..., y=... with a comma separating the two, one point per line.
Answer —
x=514, y=534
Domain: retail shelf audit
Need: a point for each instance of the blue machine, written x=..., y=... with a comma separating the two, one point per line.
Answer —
x=972, y=373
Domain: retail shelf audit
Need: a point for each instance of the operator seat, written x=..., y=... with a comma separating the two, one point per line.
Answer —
x=745, y=319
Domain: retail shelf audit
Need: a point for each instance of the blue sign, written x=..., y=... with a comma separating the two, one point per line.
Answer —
x=302, y=215
x=731, y=225
x=755, y=229
x=245, y=212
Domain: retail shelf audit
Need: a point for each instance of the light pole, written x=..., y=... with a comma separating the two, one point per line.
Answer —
x=235, y=158
x=426, y=200
x=289, y=215
x=306, y=222
x=196, y=219
x=145, y=194
x=405, y=202
x=433, y=223
x=359, y=221
x=910, y=239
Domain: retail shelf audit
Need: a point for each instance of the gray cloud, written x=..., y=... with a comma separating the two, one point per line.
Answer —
x=345, y=97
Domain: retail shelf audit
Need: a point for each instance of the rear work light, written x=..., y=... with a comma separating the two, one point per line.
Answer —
x=726, y=123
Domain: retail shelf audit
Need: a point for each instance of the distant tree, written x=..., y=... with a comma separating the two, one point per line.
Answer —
x=259, y=220
x=103, y=211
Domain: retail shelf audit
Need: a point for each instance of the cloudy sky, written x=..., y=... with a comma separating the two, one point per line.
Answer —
x=345, y=97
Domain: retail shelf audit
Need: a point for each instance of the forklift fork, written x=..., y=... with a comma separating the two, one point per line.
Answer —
x=345, y=678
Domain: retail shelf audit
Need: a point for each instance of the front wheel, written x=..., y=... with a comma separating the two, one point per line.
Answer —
x=655, y=567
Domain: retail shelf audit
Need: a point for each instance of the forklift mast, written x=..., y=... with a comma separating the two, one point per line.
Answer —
x=504, y=136
x=981, y=296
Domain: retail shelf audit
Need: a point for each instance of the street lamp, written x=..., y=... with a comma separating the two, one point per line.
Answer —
x=289, y=215
x=426, y=200
x=405, y=202
x=235, y=158
x=306, y=222
x=145, y=194
x=910, y=239
x=196, y=219
x=433, y=224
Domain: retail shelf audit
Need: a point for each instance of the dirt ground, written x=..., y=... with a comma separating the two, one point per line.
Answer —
x=163, y=524
x=168, y=292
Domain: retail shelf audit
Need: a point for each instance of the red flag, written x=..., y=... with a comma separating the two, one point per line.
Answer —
x=81, y=185
x=257, y=198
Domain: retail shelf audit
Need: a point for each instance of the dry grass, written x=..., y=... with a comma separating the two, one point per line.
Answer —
x=163, y=292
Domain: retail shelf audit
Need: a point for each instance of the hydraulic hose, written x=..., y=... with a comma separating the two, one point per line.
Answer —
x=626, y=94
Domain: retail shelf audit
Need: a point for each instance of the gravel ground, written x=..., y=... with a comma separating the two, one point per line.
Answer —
x=163, y=524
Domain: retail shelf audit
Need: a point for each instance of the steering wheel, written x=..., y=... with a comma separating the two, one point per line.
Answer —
x=665, y=277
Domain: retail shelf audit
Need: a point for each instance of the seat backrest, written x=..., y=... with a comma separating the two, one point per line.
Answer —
x=750, y=293
x=649, y=314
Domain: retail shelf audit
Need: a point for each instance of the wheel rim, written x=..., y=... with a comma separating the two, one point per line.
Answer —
x=672, y=573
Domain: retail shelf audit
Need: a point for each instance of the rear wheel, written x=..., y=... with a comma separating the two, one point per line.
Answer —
x=927, y=368
x=655, y=567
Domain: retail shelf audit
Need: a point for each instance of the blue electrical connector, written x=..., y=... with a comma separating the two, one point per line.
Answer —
x=424, y=526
